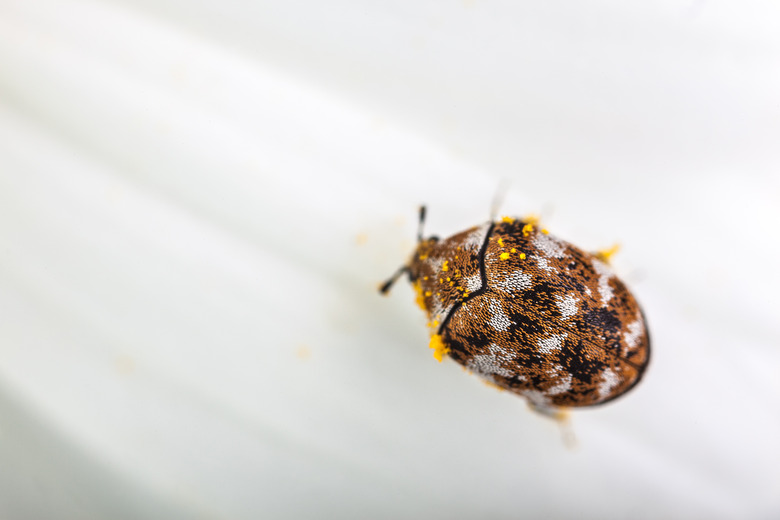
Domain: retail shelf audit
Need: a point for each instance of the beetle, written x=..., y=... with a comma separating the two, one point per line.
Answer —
x=529, y=313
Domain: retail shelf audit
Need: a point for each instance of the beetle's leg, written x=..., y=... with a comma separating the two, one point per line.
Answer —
x=562, y=417
x=498, y=198
x=385, y=287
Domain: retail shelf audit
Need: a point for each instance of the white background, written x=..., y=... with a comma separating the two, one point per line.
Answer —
x=198, y=199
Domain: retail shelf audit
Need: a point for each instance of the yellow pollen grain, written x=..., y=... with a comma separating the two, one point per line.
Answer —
x=501, y=242
x=504, y=256
x=425, y=277
x=493, y=385
x=545, y=231
x=439, y=348
x=444, y=266
x=527, y=229
x=507, y=220
x=452, y=283
x=513, y=250
x=466, y=294
x=428, y=293
x=441, y=281
x=605, y=254
x=522, y=256
x=423, y=257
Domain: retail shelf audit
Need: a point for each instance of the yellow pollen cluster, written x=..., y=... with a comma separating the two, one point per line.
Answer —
x=507, y=220
x=444, y=266
x=505, y=255
x=439, y=348
x=528, y=229
x=532, y=219
x=418, y=295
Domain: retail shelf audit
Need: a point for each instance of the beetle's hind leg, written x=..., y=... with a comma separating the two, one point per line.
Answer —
x=562, y=418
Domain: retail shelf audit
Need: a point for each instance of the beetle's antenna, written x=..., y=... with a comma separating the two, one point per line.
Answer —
x=498, y=198
x=385, y=287
x=421, y=224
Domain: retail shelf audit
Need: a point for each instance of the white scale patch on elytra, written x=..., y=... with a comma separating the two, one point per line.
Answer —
x=544, y=264
x=567, y=305
x=609, y=380
x=515, y=281
x=498, y=318
x=488, y=365
x=563, y=386
x=635, y=331
x=605, y=273
x=476, y=238
x=472, y=283
x=554, y=342
x=550, y=246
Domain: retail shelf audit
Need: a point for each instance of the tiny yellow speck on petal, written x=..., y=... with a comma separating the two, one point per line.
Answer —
x=504, y=256
x=507, y=220
x=522, y=256
x=605, y=254
x=439, y=348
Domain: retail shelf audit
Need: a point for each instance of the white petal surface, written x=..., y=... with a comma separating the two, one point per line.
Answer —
x=197, y=201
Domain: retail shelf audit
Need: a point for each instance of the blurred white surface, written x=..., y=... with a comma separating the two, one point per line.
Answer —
x=197, y=201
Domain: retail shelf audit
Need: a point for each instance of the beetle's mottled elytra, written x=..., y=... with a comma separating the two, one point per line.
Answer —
x=529, y=313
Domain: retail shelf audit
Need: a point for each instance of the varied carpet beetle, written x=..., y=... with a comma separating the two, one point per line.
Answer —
x=529, y=313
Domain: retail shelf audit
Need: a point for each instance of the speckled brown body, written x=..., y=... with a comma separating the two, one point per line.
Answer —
x=532, y=314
